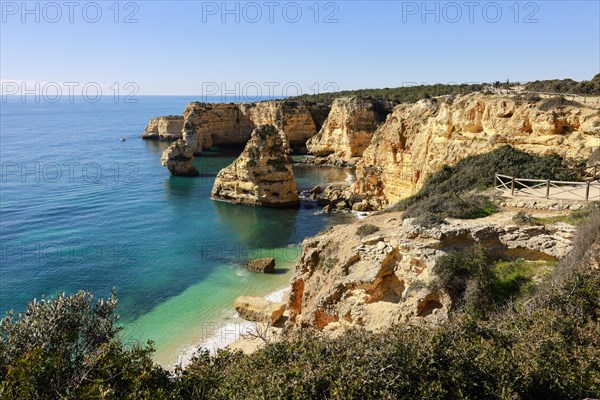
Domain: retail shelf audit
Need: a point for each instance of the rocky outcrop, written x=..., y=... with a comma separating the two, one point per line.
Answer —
x=259, y=309
x=418, y=139
x=348, y=129
x=221, y=125
x=178, y=159
x=264, y=265
x=261, y=176
x=167, y=128
x=344, y=280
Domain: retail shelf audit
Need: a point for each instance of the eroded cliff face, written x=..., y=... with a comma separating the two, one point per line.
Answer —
x=343, y=280
x=348, y=129
x=261, y=176
x=166, y=128
x=299, y=121
x=418, y=139
x=207, y=125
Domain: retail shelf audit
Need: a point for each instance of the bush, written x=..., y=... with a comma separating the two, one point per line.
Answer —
x=464, y=269
x=367, y=229
x=557, y=102
x=522, y=218
x=590, y=88
x=69, y=347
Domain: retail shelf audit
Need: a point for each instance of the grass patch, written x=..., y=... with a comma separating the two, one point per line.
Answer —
x=512, y=279
x=367, y=229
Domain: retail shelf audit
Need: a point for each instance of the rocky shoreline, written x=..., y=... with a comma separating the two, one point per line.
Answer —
x=344, y=279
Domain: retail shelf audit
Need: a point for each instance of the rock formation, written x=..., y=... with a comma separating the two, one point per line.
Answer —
x=259, y=309
x=418, y=139
x=167, y=128
x=345, y=280
x=266, y=264
x=261, y=176
x=218, y=124
x=207, y=124
x=178, y=159
x=348, y=129
x=298, y=120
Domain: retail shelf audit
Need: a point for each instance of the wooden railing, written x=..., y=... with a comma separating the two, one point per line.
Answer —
x=586, y=173
x=548, y=189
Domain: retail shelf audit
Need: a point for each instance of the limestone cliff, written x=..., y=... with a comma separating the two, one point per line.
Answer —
x=178, y=158
x=299, y=121
x=166, y=128
x=343, y=280
x=219, y=124
x=418, y=139
x=207, y=125
x=261, y=176
x=348, y=129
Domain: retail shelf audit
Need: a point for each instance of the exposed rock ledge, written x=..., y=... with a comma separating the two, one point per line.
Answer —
x=343, y=280
x=261, y=176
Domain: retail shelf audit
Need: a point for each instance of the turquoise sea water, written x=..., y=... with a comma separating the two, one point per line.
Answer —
x=80, y=209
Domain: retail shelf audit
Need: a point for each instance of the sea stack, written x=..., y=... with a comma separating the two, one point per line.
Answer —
x=178, y=159
x=261, y=176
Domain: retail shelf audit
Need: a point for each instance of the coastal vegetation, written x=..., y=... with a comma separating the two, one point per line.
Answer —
x=403, y=94
x=459, y=191
x=413, y=93
x=366, y=229
x=543, y=342
x=567, y=86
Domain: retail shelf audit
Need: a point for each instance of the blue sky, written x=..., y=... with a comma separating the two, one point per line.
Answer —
x=187, y=47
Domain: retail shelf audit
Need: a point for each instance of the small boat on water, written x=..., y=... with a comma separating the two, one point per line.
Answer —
x=122, y=139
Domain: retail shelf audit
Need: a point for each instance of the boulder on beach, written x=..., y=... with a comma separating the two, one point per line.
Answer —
x=259, y=309
x=265, y=265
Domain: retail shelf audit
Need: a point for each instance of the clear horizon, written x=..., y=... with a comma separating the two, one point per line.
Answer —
x=277, y=49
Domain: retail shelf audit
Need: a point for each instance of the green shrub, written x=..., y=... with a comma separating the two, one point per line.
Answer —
x=462, y=271
x=557, y=102
x=69, y=347
x=366, y=229
x=590, y=88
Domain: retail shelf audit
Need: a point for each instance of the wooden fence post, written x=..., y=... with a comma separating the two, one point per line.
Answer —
x=587, y=191
x=512, y=186
x=548, y=188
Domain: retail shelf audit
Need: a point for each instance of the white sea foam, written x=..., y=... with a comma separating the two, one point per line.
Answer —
x=350, y=178
x=277, y=296
x=360, y=214
x=225, y=333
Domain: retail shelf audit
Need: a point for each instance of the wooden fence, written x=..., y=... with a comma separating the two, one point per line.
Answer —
x=548, y=189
